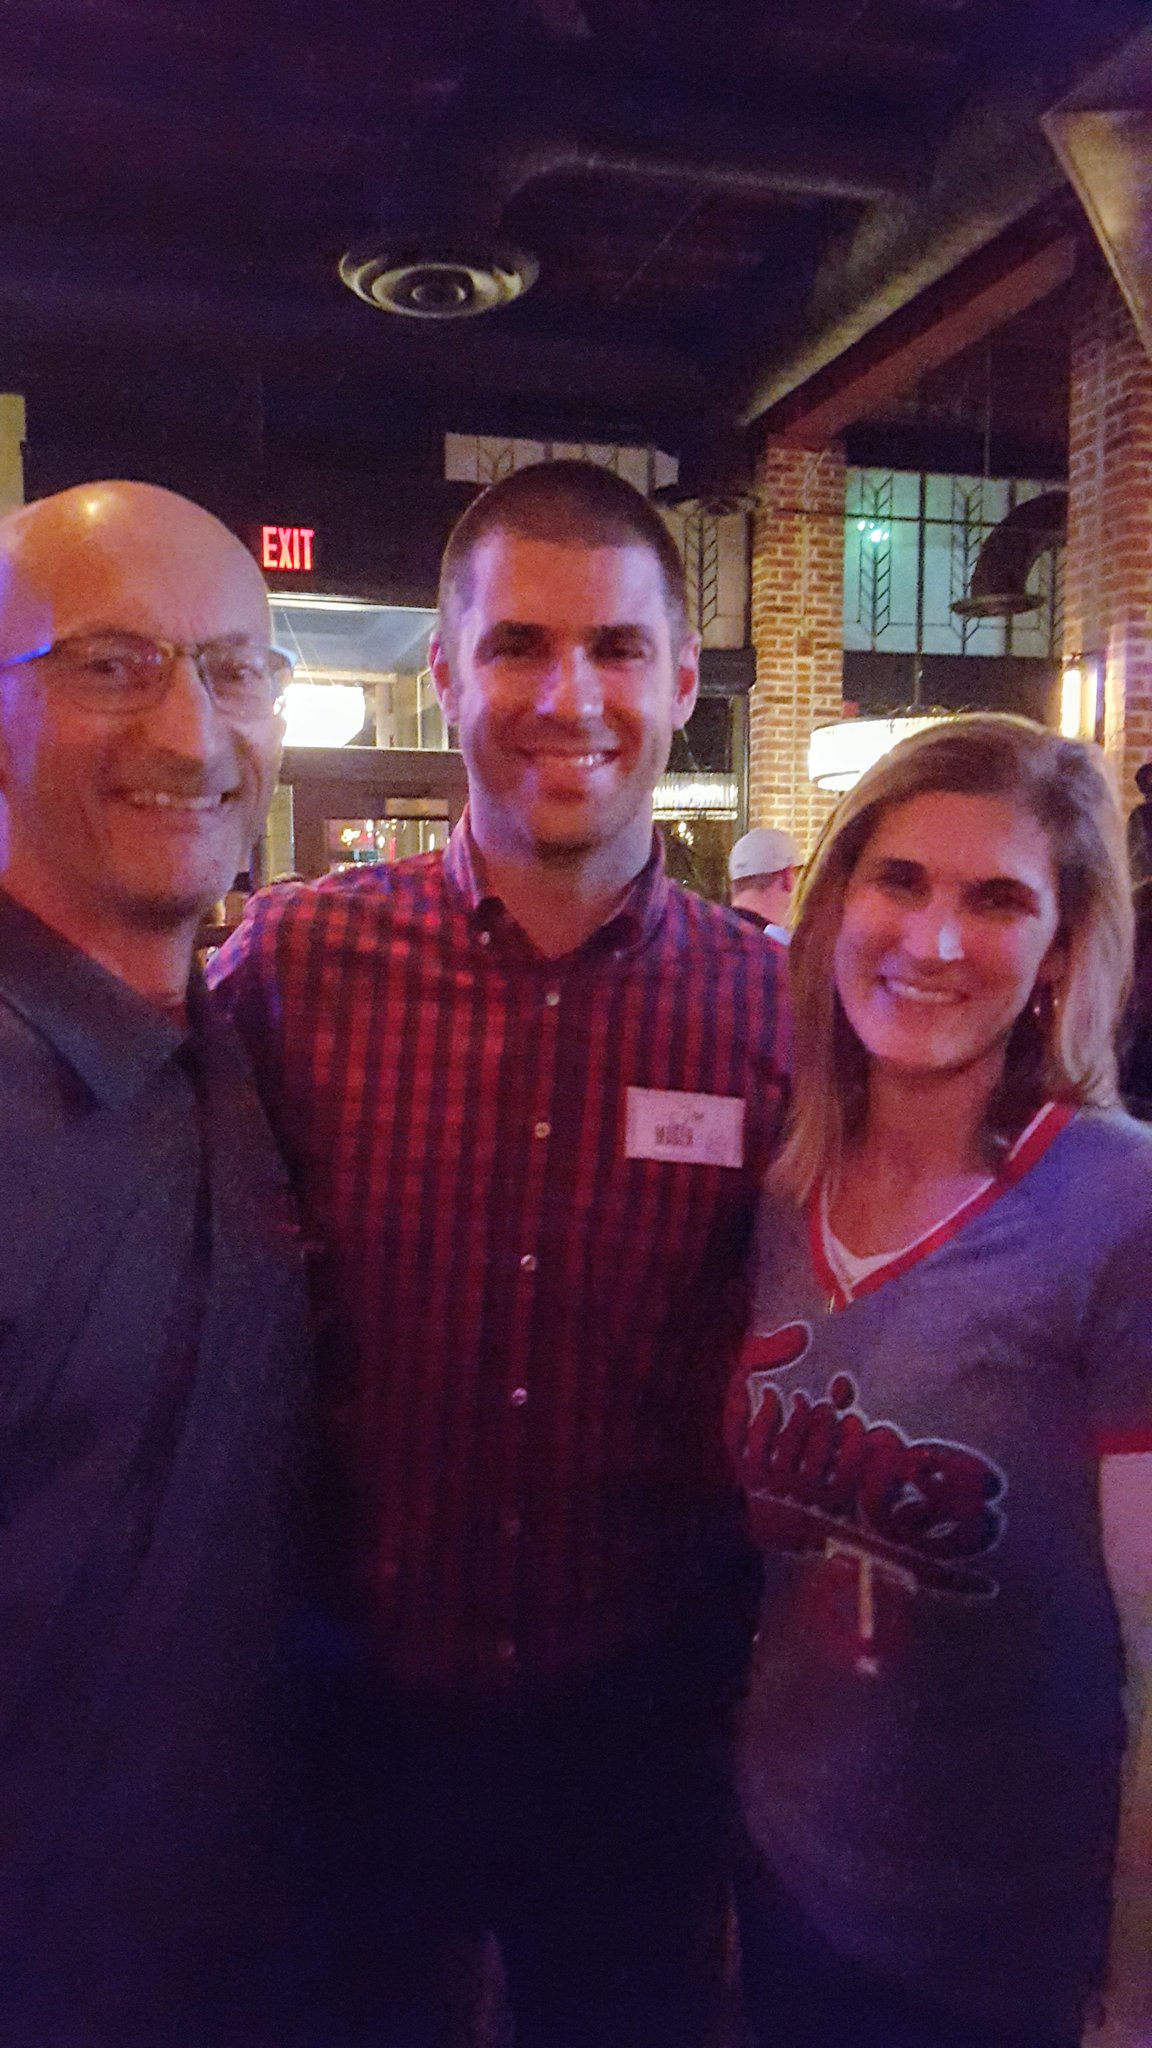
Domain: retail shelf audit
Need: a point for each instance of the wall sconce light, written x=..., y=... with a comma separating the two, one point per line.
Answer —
x=1081, y=705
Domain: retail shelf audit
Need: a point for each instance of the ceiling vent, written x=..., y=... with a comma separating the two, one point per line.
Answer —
x=423, y=283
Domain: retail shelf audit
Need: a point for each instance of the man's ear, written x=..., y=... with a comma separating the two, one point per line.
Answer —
x=440, y=663
x=687, y=681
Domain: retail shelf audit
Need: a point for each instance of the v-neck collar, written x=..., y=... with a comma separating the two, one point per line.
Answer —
x=1030, y=1146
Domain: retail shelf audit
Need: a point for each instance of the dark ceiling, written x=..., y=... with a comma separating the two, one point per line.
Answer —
x=717, y=193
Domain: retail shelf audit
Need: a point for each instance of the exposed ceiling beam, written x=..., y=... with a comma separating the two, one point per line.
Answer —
x=978, y=297
x=993, y=169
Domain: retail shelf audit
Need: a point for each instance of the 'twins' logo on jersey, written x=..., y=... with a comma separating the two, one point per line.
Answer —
x=819, y=1471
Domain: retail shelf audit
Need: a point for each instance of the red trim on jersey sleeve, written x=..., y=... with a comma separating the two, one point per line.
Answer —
x=1124, y=1443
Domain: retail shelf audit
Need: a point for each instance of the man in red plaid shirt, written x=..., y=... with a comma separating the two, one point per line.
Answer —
x=529, y=1089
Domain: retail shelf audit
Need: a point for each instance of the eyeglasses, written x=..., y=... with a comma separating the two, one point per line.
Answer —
x=127, y=672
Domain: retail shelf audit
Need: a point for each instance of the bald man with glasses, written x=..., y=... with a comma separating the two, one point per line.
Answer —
x=151, y=1313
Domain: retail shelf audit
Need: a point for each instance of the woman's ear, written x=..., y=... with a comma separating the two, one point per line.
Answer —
x=1054, y=966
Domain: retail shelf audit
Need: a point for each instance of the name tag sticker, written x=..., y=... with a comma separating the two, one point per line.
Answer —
x=701, y=1130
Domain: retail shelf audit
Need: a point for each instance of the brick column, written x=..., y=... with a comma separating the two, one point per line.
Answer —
x=797, y=630
x=1108, y=567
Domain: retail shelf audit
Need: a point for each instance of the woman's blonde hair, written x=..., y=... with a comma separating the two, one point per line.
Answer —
x=1063, y=1047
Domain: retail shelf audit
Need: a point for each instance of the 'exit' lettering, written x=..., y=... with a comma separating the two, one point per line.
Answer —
x=286, y=547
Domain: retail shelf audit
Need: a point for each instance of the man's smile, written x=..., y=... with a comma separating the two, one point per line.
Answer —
x=581, y=756
x=170, y=800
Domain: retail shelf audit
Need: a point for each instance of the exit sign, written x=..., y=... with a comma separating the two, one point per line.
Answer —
x=286, y=547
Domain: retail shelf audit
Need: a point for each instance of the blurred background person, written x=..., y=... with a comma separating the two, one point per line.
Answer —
x=1136, y=1034
x=762, y=870
x=1139, y=831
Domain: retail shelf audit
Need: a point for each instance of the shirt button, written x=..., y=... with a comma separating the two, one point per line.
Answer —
x=518, y=1396
x=552, y=997
x=528, y=1263
x=485, y=938
x=543, y=1129
x=506, y=1651
x=510, y=1527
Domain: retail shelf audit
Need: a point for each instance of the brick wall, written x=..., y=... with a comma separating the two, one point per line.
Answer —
x=797, y=630
x=1108, y=569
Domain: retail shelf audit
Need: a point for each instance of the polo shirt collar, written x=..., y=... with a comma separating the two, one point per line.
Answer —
x=111, y=1037
x=638, y=918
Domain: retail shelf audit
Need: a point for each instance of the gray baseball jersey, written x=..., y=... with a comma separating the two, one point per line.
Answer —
x=933, y=1729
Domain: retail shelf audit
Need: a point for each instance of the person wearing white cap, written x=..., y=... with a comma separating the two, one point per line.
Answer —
x=762, y=870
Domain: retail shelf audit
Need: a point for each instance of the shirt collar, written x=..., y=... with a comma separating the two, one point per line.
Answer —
x=638, y=917
x=112, y=1037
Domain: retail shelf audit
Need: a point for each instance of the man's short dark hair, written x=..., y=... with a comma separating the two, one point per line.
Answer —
x=579, y=504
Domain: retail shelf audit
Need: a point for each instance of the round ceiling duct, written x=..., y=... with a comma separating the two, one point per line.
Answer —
x=1007, y=556
x=424, y=285
x=716, y=500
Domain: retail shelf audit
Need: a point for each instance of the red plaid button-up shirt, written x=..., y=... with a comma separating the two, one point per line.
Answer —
x=532, y=1331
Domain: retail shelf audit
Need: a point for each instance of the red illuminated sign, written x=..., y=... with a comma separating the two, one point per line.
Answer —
x=286, y=547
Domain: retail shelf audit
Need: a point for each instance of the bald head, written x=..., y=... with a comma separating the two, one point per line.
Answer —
x=69, y=558
x=126, y=820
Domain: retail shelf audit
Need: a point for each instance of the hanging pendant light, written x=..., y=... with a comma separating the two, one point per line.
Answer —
x=839, y=754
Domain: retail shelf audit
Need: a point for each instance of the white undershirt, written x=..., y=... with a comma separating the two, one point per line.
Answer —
x=851, y=1268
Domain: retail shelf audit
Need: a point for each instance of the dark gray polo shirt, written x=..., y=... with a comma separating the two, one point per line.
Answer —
x=153, y=1367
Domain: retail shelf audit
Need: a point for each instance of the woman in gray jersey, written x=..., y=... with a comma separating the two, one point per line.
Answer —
x=942, y=1422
